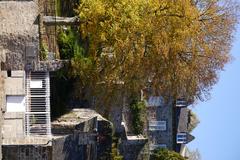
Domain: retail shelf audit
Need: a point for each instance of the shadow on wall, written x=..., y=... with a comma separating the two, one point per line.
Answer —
x=66, y=8
x=68, y=148
x=60, y=95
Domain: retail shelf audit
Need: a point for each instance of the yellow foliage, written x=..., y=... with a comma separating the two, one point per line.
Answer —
x=178, y=45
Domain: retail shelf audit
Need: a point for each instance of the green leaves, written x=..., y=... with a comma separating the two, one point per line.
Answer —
x=164, y=154
x=69, y=44
x=138, y=109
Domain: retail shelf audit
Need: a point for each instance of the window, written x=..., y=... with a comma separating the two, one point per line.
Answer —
x=181, y=103
x=181, y=138
x=155, y=101
x=15, y=103
x=9, y=73
x=157, y=125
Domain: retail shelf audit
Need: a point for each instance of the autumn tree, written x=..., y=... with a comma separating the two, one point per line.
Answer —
x=178, y=46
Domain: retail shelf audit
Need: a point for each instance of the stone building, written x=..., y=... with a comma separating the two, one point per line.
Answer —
x=160, y=120
x=168, y=124
x=28, y=56
x=19, y=43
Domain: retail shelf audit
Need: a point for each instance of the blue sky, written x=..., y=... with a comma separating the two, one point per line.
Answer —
x=218, y=134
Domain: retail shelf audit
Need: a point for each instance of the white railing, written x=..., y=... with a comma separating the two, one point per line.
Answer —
x=37, y=115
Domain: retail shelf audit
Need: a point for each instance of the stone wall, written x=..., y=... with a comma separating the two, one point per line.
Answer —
x=13, y=125
x=27, y=152
x=132, y=151
x=84, y=143
x=18, y=32
x=14, y=84
x=82, y=134
x=18, y=38
x=133, y=147
x=88, y=126
x=104, y=146
x=72, y=148
x=50, y=65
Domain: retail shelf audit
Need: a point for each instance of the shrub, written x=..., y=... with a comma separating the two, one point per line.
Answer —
x=137, y=109
x=43, y=51
x=164, y=154
x=69, y=43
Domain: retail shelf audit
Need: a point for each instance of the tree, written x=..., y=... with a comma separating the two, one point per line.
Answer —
x=164, y=154
x=193, y=121
x=194, y=155
x=179, y=46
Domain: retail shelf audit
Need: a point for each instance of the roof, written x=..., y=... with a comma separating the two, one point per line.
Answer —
x=76, y=116
x=182, y=120
x=81, y=120
x=190, y=137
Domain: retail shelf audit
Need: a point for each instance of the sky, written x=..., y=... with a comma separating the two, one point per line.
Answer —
x=217, y=137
